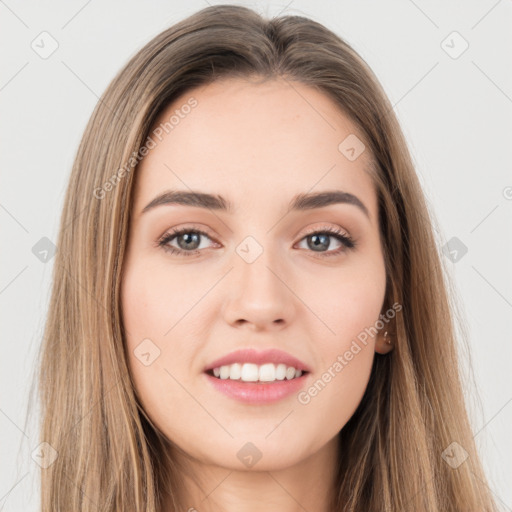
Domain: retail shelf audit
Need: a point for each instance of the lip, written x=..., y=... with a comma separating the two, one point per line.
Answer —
x=257, y=393
x=250, y=355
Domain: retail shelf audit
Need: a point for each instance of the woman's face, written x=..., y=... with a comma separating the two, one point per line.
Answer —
x=264, y=275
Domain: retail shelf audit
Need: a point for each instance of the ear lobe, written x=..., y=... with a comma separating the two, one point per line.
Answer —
x=384, y=343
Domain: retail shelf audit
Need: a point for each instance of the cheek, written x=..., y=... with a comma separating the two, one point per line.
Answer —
x=153, y=303
x=154, y=300
x=163, y=304
x=348, y=303
x=349, y=309
x=357, y=309
x=334, y=395
x=341, y=380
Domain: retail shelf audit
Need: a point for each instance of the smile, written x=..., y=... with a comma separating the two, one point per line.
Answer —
x=250, y=372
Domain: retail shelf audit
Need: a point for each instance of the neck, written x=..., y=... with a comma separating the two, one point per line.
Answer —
x=307, y=485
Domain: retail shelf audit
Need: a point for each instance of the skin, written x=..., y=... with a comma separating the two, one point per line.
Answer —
x=257, y=145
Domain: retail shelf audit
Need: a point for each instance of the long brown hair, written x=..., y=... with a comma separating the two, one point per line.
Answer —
x=110, y=456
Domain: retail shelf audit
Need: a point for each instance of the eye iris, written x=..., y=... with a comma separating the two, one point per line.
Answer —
x=316, y=243
x=189, y=238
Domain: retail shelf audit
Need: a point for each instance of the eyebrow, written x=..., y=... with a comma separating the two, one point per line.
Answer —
x=299, y=202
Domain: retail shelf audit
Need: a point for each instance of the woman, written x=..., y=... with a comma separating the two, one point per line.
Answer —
x=249, y=310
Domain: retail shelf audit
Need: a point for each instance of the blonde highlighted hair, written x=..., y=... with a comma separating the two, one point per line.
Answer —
x=110, y=455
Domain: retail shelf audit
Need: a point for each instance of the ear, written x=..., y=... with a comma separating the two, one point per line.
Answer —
x=384, y=342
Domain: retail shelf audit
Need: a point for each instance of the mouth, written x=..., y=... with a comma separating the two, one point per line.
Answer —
x=252, y=373
x=256, y=385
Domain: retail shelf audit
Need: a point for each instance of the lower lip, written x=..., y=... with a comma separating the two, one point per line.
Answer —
x=257, y=392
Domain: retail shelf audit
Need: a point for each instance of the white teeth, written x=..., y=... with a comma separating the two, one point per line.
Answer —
x=249, y=372
x=267, y=372
x=290, y=372
x=235, y=372
x=280, y=371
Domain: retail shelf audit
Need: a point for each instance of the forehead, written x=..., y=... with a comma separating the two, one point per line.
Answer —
x=255, y=144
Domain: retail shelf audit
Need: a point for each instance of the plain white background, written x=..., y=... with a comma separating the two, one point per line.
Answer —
x=455, y=107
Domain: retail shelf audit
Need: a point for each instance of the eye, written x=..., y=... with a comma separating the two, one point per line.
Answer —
x=189, y=241
x=319, y=239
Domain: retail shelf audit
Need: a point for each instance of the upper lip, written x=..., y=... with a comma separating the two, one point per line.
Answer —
x=249, y=355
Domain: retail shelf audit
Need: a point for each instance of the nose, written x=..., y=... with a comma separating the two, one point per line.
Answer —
x=260, y=295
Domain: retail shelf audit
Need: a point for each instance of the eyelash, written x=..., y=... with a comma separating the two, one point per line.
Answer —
x=347, y=241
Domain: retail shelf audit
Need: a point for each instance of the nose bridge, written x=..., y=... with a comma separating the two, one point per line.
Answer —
x=259, y=292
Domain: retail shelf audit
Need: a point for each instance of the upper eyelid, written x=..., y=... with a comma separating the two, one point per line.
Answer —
x=206, y=232
x=332, y=231
x=348, y=243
